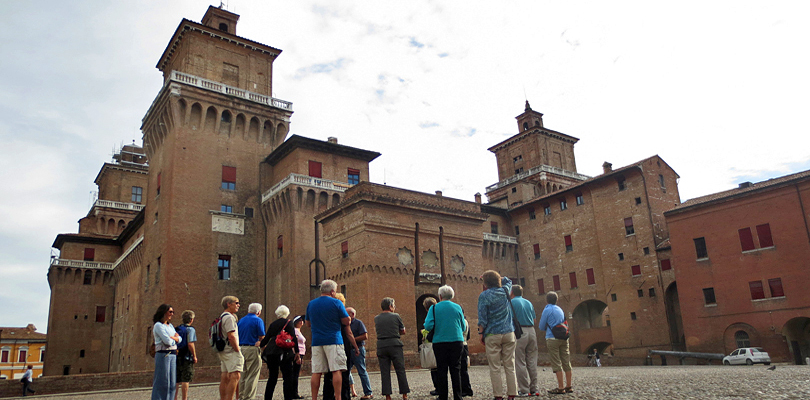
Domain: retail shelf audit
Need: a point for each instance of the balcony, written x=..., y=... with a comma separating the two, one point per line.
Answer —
x=492, y=237
x=537, y=170
x=229, y=90
x=118, y=205
x=61, y=262
x=304, y=180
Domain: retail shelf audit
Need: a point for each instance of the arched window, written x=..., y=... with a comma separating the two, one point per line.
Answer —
x=223, y=27
x=525, y=126
x=226, y=116
x=742, y=339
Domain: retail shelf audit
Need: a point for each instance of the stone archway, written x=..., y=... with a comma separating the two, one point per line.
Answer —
x=421, y=314
x=797, y=334
x=589, y=325
x=588, y=314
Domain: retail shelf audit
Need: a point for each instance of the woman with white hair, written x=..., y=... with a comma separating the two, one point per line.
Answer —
x=446, y=322
x=278, y=358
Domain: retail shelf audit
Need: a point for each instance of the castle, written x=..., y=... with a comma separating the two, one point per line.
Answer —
x=220, y=201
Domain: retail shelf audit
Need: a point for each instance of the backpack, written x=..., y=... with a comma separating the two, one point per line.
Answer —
x=561, y=331
x=284, y=340
x=215, y=338
x=182, y=348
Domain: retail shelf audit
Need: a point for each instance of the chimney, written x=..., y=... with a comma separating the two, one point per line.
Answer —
x=332, y=140
x=478, y=198
x=31, y=327
x=607, y=167
x=745, y=185
x=439, y=193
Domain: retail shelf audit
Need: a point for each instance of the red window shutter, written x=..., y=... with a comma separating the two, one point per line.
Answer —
x=776, y=287
x=89, y=254
x=536, y=247
x=628, y=222
x=636, y=270
x=281, y=242
x=568, y=241
x=556, y=279
x=541, y=287
x=101, y=313
x=344, y=247
x=315, y=169
x=757, y=292
x=746, y=239
x=764, y=233
x=591, y=278
x=666, y=265
x=228, y=174
x=353, y=171
x=224, y=257
x=4, y=357
x=573, y=278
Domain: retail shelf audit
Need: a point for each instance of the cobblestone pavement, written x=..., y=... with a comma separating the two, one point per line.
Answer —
x=672, y=382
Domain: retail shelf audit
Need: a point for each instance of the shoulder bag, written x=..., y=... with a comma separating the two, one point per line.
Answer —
x=426, y=355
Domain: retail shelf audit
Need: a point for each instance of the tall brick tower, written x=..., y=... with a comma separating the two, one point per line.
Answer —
x=205, y=135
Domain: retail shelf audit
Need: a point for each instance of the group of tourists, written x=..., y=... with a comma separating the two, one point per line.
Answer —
x=338, y=344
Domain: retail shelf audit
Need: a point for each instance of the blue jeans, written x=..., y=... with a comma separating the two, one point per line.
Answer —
x=164, y=383
x=360, y=362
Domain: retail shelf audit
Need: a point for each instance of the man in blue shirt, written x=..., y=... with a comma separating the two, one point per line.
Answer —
x=326, y=317
x=558, y=351
x=251, y=333
x=526, y=348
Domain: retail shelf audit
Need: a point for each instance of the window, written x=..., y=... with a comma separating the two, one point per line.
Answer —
x=764, y=233
x=81, y=353
x=249, y=212
x=354, y=176
x=652, y=292
x=641, y=293
x=742, y=339
x=628, y=226
x=621, y=256
x=776, y=287
x=146, y=284
x=517, y=230
x=41, y=354
x=344, y=249
x=226, y=116
x=666, y=265
x=158, y=185
x=531, y=214
x=89, y=254
x=224, y=267
x=536, y=248
x=636, y=270
x=4, y=355
x=22, y=356
x=541, y=287
x=638, y=201
x=556, y=280
x=620, y=183
x=700, y=248
x=757, y=291
x=280, y=246
x=223, y=27
x=572, y=277
x=613, y=297
x=569, y=245
x=137, y=194
x=315, y=169
x=746, y=239
x=546, y=209
x=157, y=272
x=493, y=226
x=590, y=276
x=633, y=316
x=661, y=181
x=514, y=190
x=519, y=170
x=646, y=251
x=226, y=208
x=518, y=158
x=563, y=204
x=580, y=199
x=88, y=277
x=101, y=313
x=228, y=177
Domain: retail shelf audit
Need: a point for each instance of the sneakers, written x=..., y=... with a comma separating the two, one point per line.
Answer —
x=523, y=394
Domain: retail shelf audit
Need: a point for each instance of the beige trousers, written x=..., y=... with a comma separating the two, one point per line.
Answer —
x=250, y=376
x=501, y=359
x=526, y=360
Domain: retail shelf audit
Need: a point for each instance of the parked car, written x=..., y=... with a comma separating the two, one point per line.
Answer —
x=747, y=355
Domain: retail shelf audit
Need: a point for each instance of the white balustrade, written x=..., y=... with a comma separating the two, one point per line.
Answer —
x=118, y=205
x=537, y=170
x=304, y=180
x=492, y=237
x=61, y=262
x=229, y=90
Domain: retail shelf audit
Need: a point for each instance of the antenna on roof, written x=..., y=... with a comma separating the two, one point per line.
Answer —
x=525, y=97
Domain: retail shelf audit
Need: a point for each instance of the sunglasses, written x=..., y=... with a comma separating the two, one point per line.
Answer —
x=171, y=311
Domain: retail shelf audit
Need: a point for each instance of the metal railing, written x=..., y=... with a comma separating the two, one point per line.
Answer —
x=304, y=180
x=536, y=170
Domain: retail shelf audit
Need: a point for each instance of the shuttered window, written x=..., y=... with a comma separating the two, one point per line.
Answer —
x=636, y=270
x=746, y=239
x=590, y=276
x=228, y=177
x=344, y=249
x=666, y=265
x=315, y=169
x=541, y=287
x=764, y=233
x=757, y=291
x=89, y=254
x=776, y=287
x=556, y=280
x=569, y=244
x=573, y=278
x=536, y=248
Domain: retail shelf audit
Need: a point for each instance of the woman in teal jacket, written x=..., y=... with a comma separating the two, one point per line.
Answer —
x=446, y=320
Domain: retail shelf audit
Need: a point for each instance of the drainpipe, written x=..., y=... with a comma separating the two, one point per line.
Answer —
x=417, y=270
x=441, y=254
x=804, y=214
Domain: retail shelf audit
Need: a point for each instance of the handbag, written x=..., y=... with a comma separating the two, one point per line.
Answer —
x=560, y=331
x=429, y=337
x=515, y=323
x=426, y=355
x=284, y=340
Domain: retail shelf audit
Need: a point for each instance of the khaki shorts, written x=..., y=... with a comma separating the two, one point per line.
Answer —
x=328, y=358
x=231, y=361
x=559, y=355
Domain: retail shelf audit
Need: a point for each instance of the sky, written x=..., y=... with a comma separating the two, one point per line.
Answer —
x=717, y=89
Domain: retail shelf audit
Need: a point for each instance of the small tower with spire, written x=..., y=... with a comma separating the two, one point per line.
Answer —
x=529, y=119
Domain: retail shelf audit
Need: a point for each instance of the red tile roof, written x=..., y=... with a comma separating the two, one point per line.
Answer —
x=28, y=333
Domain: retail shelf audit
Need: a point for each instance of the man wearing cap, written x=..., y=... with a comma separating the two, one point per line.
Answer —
x=251, y=333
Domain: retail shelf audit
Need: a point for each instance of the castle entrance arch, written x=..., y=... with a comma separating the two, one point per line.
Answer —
x=674, y=317
x=588, y=314
x=588, y=325
x=421, y=314
x=797, y=334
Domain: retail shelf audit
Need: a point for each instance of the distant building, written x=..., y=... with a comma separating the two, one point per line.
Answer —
x=741, y=259
x=19, y=348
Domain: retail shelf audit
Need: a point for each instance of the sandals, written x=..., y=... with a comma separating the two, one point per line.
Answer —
x=557, y=391
x=569, y=389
